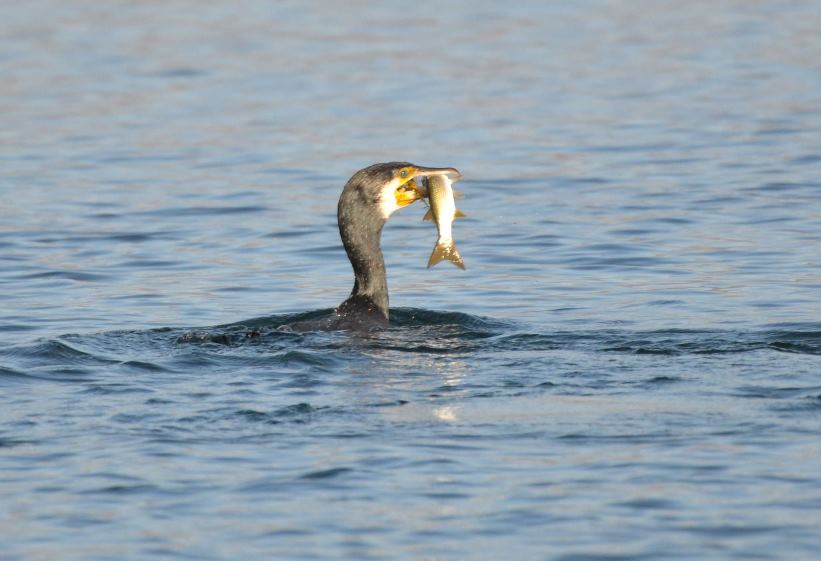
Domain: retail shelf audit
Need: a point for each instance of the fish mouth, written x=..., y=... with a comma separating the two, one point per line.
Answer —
x=410, y=192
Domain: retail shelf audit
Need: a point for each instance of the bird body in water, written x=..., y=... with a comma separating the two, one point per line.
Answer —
x=368, y=199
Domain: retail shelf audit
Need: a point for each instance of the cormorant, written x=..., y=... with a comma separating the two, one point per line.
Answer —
x=370, y=196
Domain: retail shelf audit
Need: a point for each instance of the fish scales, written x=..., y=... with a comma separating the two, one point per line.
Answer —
x=443, y=212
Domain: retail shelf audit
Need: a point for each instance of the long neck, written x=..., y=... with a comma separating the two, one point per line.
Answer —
x=361, y=229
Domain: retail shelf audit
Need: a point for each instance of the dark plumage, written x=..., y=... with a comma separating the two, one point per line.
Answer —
x=370, y=196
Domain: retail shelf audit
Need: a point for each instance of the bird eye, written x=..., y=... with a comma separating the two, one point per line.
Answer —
x=403, y=174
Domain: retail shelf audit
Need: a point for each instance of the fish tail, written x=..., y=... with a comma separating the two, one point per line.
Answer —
x=446, y=250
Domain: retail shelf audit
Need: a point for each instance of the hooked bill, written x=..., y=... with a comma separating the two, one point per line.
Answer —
x=442, y=211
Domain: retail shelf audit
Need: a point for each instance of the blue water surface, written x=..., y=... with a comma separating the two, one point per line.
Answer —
x=629, y=368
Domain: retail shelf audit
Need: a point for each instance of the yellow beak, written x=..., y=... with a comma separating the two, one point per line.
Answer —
x=409, y=192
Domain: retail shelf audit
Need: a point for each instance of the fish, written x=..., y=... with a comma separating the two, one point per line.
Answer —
x=443, y=212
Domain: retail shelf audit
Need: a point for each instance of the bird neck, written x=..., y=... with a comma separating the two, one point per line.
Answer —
x=361, y=235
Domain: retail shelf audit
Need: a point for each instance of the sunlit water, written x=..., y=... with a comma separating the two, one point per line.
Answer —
x=629, y=368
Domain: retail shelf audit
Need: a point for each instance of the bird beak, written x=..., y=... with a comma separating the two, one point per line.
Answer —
x=424, y=172
x=410, y=192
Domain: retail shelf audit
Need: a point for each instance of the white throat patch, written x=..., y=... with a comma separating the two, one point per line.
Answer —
x=387, y=199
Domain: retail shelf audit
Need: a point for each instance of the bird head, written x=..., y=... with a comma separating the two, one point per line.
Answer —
x=392, y=185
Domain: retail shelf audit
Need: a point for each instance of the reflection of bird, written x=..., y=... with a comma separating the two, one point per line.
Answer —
x=366, y=203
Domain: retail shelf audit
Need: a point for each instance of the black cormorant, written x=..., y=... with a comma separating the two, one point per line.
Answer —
x=370, y=196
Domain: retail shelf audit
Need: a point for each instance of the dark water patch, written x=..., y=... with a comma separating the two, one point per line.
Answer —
x=299, y=413
x=792, y=347
x=633, y=231
x=546, y=385
x=415, y=317
x=730, y=530
x=657, y=381
x=235, y=334
x=70, y=238
x=620, y=263
x=394, y=403
x=255, y=416
x=287, y=171
x=675, y=220
x=79, y=276
x=203, y=211
x=104, y=216
x=649, y=504
x=240, y=289
x=785, y=186
x=434, y=346
x=153, y=263
x=638, y=438
x=136, y=158
x=612, y=248
x=327, y=473
x=122, y=490
x=329, y=249
x=319, y=361
x=198, y=337
x=778, y=392
x=804, y=404
x=272, y=347
x=445, y=495
x=54, y=353
x=303, y=381
x=296, y=410
x=664, y=342
x=665, y=303
x=159, y=401
x=544, y=240
x=12, y=442
x=807, y=342
x=175, y=73
x=665, y=161
x=237, y=160
x=720, y=200
x=12, y=375
x=115, y=389
x=141, y=365
x=808, y=159
x=293, y=233
x=618, y=148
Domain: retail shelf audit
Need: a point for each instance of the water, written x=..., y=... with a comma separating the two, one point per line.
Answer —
x=629, y=368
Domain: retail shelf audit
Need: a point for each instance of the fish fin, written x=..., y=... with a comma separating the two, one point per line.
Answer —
x=459, y=214
x=428, y=215
x=446, y=251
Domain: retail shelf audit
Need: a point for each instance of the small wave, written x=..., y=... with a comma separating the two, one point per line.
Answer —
x=54, y=351
x=203, y=211
x=797, y=340
x=297, y=413
x=326, y=473
x=266, y=345
x=664, y=342
x=78, y=276
x=9, y=375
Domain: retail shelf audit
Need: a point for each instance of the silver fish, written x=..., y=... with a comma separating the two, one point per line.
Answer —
x=442, y=211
